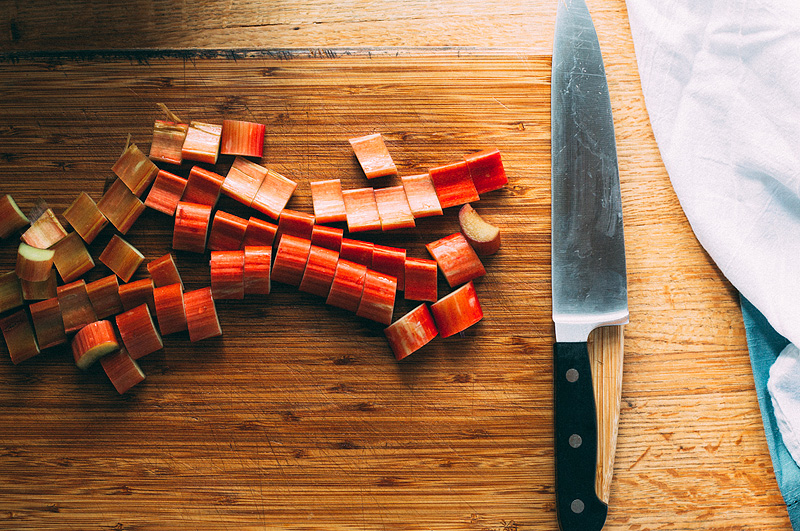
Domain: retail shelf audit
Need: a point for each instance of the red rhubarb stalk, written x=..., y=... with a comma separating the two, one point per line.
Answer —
x=11, y=217
x=411, y=332
x=201, y=314
x=296, y=223
x=121, y=257
x=123, y=371
x=71, y=257
x=202, y=187
x=202, y=142
x=327, y=200
x=347, y=285
x=138, y=332
x=421, y=279
x=92, y=342
x=167, y=190
x=453, y=184
x=227, y=232
x=34, y=264
x=136, y=293
x=104, y=296
x=38, y=291
x=456, y=258
x=257, y=270
x=328, y=237
x=393, y=208
x=377, y=299
x=45, y=232
x=457, y=311
x=243, y=180
x=319, y=272
x=373, y=156
x=273, y=194
x=85, y=217
x=362, y=210
x=357, y=251
x=242, y=138
x=391, y=261
x=19, y=336
x=135, y=170
x=259, y=233
x=290, y=259
x=421, y=195
x=10, y=292
x=227, y=274
x=170, y=309
x=47, y=322
x=76, y=308
x=486, y=170
x=164, y=271
x=120, y=206
x=191, y=227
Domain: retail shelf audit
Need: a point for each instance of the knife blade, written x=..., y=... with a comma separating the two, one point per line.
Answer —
x=589, y=281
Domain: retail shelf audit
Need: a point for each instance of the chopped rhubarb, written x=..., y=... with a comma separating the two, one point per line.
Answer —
x=411, y=332
x=136, y=293
x=201, y=314
x=202, y=142
x=295, y=223
x=123, y=371
x=104, y=296
x=39, y=291
x=10, y=291
x=85, y=217
x=203, y=187
x=393, y=208
x=76, y=308
x=482, y=236
x=170, y=309
x=121, y=257
x=19, y=336
x=326, y=197
x=421, y=195
x=347, y=285
x=373, y=156
x=45, y=232
x=120, y=206
x=290, y=259
x=227, y=232
x=138, y=332
x=71, y=257
x=273, y=194
x=34, y=264
x=191, y=227
x=320, y=268
x=453, y=184
x=243, y=180
x=391, y=261
x=242, y=138
x=362, y=210
x=357, y=251
x=167, y=190
x=456, y=258
x=47, y=321
x=486, y=170
x=164, y=271
x=167, y=143
x=257, y=267
x=227, y=274
x=259, y=233
x=11, y=217
x=421, y=279
x=135, y=170
x=457, y=311
x=92, y=342
x=377, y=299
x=328, y=237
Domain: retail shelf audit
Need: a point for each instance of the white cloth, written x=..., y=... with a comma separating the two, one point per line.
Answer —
x=721, y=82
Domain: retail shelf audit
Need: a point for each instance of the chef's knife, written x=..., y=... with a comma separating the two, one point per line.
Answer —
x=588, y=255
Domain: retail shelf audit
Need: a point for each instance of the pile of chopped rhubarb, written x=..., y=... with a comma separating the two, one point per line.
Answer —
x=46, y=302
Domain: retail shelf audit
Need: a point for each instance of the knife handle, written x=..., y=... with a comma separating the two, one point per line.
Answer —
x=577, y=505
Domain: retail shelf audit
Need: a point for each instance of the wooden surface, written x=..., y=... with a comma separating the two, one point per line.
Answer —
x=298, y=418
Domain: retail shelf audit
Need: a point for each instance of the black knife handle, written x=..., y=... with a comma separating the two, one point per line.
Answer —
x=577, y=505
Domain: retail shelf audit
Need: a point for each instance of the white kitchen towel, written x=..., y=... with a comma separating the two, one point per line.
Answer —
x=782, y=386
x=721, y=82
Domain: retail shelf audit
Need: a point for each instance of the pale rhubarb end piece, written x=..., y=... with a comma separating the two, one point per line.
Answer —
x=393, y=208
x=421, y=195
x=373, y=156
x=76, y=307
x=45, y=232
x=18, y=333
x=47, y=321
x=361, y=209
x=38, y=291
x=10, y=292
x=11, y=217
x=135, y=170
x=482, y=236
x=201, y=314
x=138, y=332
x=120, y=206
x=34, y=264
x=243, y=180
x=85, y=217
x=71, y=257
x=167, y=143
x=123, y=371
x=121, y=257
x=326, y=198
x=202, y=142
x=92, y=342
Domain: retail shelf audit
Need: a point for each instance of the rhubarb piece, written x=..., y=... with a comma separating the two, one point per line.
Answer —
x=201, y=314
x=121, y=257
x=227, y=232
x=167, y=190
x=391, y=261
x=85, y=217
x=326, y=197
x=203, y=187
x=164, y=271
x=482, y=236
x=347, y=285
x=135, y=170
x=456, y=258
x=104, y=296
x=457, y=311
x=136, y=293
x=170, y=309
x=39, y=291
x=295, y=223
x=202, y=142
x=191, y=227
x=76, y=308
x=243, y=180
x=486, y=170
x=257, y=267
x=453, y=184
x=273, y=194
x=362, y=210
x=411, y=332
x=34, y=264
x=328, y=237
x=45, y=232
x=290, y=259
x=377, y=298
x=71, y=257
x=18, y=333
x=373, y=156
x=357, y=251
x=393, y=208
x=227, y=274
x=420, y=279
x=47, y=322
x=123, y=371
x=168, y=139
x=10, y=291
x=319, y=272
x=242, y=138
x=120, y=206
x=92, y=342
x=138, y=332
x=11, y=217
x=421, y=195
x=259, y=233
